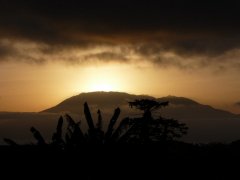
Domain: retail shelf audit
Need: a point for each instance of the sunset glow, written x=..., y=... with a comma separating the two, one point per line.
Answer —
x=101, y=87
x=152, y=50
x=79, y=72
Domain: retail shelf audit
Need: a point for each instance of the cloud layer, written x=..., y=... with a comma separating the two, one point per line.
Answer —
x=184, y=35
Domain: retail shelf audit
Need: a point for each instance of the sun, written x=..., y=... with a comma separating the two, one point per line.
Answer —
x=101, y=87
x=103, y=78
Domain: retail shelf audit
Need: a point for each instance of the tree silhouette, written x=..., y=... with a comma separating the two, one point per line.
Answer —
x=142, y=130
x=146, y=129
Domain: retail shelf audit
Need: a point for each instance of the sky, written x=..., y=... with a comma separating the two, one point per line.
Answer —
x=52, y=50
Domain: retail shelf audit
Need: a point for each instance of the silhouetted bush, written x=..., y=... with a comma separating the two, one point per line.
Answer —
x=141, y=130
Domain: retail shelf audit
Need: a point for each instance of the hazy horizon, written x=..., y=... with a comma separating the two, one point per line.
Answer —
x=171, y=95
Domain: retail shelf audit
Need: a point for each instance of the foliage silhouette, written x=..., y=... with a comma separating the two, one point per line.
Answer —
x=37, y=135
x=149, y=130
x=141, y=130
x=10, y=142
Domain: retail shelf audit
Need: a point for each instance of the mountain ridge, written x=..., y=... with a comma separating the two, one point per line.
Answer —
x=94, y=96
x=99, y=97
x=206, y=123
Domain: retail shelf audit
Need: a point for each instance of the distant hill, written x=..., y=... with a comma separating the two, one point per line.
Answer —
x=206, y=124
x=102, y=100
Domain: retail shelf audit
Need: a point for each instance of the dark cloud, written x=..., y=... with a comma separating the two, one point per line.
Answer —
x=149, y=29
x=4, y=51
x=108, y=56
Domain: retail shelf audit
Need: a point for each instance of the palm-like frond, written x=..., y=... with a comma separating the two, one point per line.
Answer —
x=37, y=135
x=88, y=117
x=144, y=129
x=74, y=135
x=99, y=123
x=112, y=123
x=57, y=136
x=10, y=142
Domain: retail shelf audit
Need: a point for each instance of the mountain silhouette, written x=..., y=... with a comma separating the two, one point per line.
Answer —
x=102, y=100
x=206, y=124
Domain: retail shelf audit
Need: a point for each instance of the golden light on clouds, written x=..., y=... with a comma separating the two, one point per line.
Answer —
x=34, y=87
x=36, y=76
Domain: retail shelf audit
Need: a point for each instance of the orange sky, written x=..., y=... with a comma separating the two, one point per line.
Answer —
x=52, y=50
x=32, y=87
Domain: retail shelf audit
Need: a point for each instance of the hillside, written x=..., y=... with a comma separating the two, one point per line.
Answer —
x=206, y=124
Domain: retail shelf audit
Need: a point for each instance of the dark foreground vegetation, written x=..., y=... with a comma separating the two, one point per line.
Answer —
x=138, y=148
x=142, y=130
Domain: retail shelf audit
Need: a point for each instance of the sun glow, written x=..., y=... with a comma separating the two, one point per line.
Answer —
x=101, y=87
x=107, y=78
